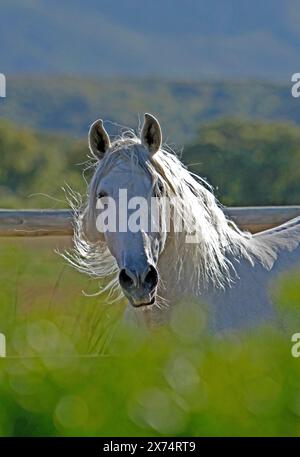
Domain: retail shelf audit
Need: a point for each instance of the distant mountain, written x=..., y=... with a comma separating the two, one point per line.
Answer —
x=171, y=38
x=69, y=105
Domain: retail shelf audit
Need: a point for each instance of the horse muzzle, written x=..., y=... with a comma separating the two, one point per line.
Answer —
x=139, y=286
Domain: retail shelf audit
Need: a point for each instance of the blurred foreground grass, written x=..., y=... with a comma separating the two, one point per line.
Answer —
x=176, y=381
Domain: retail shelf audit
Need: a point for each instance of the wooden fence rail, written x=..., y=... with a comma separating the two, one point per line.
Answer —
x=59, y=222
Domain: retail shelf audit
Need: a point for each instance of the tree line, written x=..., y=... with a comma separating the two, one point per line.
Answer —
x=247, y=162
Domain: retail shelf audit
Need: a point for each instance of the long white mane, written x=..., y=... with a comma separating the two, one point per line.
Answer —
x=209, y=261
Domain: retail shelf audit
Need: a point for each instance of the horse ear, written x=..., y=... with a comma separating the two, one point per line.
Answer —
x=99, y=141
x=151, y=136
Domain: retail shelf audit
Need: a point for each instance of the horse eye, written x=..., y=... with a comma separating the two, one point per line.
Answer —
x=102, y=194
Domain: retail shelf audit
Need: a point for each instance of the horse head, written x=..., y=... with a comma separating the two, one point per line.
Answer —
x=121, y=211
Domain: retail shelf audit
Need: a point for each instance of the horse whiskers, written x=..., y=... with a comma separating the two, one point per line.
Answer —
x=161, y=303
x=161, y=284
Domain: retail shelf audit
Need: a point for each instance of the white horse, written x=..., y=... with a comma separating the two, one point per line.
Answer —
x=228, y=270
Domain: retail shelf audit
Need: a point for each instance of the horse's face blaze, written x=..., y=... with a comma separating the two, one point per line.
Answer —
x=133, y=237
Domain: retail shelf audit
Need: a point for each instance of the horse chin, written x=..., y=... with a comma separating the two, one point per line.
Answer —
x=143, y=305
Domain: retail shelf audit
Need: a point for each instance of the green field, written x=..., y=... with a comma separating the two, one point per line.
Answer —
x=74, y=369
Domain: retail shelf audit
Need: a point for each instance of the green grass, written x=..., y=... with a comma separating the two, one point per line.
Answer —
x=176, y=381
x=37, y=284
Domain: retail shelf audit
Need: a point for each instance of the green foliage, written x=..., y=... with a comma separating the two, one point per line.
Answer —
x=249, y=163
x=34, y=167
x=71, y=371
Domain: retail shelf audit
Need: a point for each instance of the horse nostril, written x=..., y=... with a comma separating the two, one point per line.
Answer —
x=125, y=280
x=151, y=277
